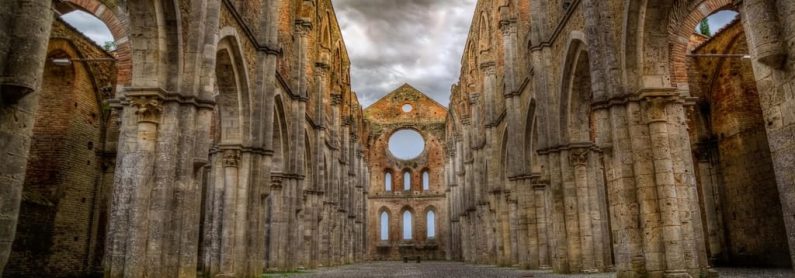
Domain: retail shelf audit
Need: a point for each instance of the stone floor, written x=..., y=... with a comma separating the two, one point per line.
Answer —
x=460, y=270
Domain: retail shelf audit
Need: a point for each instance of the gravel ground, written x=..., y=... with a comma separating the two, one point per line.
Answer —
x=462, y=270
x=753, y=272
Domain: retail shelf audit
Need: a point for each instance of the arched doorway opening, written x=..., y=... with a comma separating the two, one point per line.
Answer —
x=740, y=203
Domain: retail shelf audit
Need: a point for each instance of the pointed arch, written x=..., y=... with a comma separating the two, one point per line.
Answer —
x=576, y=93
x=280, y=137
x=157, y=28
x=383, y=223
x=325, y=31
x=115, y=19
x=430, y=223
x=531, y=137
x=503, y=162
x=388, y=180
x=426, y=180
x=407, y=180
x=407, y=224
x=309, y=163
x=232, y=94
x=484, y=32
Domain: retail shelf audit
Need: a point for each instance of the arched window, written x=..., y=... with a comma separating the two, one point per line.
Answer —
x=426, y=183
x=384, y=225
x=430, y=218
x=388, y=181
x=407, y=225
x=406, y=181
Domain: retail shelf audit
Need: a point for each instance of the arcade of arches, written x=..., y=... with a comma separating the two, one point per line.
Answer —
x=222, y=138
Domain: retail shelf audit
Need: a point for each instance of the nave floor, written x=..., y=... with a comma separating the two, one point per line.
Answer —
x=437, y=269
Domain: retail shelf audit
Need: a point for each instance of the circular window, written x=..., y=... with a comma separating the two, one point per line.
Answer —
x=406, y=144
x=407, y=108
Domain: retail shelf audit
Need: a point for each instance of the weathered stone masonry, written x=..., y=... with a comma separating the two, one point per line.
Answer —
x=604, y=135
x=222, y=138
x=227, y=141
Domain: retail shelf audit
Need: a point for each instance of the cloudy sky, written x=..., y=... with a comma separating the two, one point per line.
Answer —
x=391, y=42
x=89, y=25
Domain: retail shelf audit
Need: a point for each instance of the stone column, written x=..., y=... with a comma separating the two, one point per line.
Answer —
x=139, y=172
x=231, y=159
x=579, y=160
x=761, y=18
x=559, y=237
x=666, y=187
x=541, y=224
x=213, y=216
x=623, y=193
x=708, y=177
x=769, y=29
x=489, y=70
x=571, y=211
x=278, y=225
x=24, y=33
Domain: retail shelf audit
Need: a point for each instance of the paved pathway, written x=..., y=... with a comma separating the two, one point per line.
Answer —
x=461, y=270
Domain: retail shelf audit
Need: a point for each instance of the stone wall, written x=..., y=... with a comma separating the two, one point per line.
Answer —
x=605, y=176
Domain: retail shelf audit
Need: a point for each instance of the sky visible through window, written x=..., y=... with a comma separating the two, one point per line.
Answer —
x=406, y=144
x=90, y=26
x=719, y=20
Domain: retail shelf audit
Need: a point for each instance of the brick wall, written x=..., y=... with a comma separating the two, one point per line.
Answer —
x=428, y=118
x=54, y=235
x=748, y=196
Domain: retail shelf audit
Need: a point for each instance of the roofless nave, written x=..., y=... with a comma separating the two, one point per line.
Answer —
x=222, y=137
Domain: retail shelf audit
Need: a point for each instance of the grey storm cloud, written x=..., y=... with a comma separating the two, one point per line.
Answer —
x=391, y=42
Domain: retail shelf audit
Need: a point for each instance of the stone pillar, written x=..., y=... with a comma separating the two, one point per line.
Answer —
x=764, y=39
x=508, y=28
x=769, y=29
x=213, y=215
x=559, y=236
x=578, y=159
x=278, y=224
x=24, y=33
x=539, y=197
x=574, y=246
x=136, y=184
x=708, y=176
x=623, y=193
x=671, y=234
x=514, y=239
x=231, y=159
x=489, y=69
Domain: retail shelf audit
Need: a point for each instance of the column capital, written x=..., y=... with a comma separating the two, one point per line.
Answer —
x=231, y=158
x=507, y=26
x=303, y=26
x=147, y=108
x=336, y=99
x=489, y=67
x=276, y=181
x=655, y=108
x=321, y=68
x=579, y=156
x=473, y=98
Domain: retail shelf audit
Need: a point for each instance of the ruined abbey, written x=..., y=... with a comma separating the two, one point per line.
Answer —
x=222, y=138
